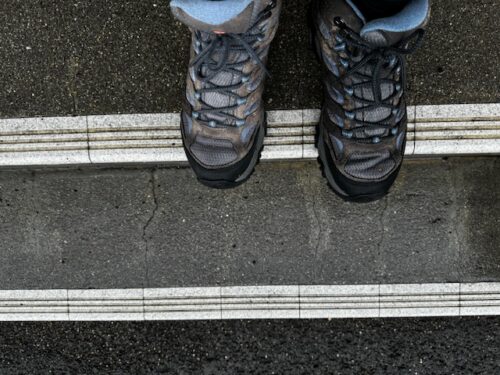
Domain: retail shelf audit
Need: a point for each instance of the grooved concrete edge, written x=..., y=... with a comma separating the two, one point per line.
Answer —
x=253, y=302
x=441, y=130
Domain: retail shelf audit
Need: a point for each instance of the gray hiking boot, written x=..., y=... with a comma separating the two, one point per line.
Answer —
x=223, y=120
x=362, y=132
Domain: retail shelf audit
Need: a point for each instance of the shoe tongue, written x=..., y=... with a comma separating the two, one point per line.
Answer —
x=388, y=31
x=225, y=16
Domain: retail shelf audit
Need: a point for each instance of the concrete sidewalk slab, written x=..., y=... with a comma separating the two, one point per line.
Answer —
x=132, y=228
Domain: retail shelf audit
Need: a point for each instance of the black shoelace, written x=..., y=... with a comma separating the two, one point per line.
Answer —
x=214, y=59
x=390, y=58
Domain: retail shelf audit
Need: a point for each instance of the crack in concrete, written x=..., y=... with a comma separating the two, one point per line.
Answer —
x=88, y=140
x=321, y=243
x=149, y=221
x=318, y=222
x=320, y=230
x=382, y=229
x=452, y=180
x=73, y=66
x=74, y=103
x=316, y=231
x=34, y=223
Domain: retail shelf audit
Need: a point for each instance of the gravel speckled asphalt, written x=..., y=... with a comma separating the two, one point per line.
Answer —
x=84, y=57
x=115, y=56
x=381, y=346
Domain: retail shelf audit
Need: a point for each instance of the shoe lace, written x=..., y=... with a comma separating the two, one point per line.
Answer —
x=214, y=59
x=386, y=62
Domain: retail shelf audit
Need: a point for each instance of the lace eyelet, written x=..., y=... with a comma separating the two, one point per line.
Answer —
x=195, y=115
x=339, y=22
x=347, y=133
x=394, y=130
x=241, y=101
x=339, y=121
x=331, y=64
x=197, y=95
x=212, y=124
x=240, y=122
x=335, y=70
x=340, y=47
x=272, y=4
x=245, y=79
x=338, y=38
x=344, y=63
x=375, y=140
x=336, y=95
x=349, y=90
x=350, y=115
x=392, y=61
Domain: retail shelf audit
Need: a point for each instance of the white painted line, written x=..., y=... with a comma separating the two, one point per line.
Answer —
x=419, y=300
x=443, y=130
x=457, y=112
x=253, y=302
x=182, y=303
x=33, y=305
x=480, y=299
x=260, y=302
x=339, y=301
x=106, y=304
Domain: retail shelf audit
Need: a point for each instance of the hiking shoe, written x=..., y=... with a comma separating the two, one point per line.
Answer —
x=362, y=131
x=223, y=119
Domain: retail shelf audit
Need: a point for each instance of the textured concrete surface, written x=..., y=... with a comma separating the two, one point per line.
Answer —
x=122, y=228
x=381, y=346
x=87, y=57
x=72, y=228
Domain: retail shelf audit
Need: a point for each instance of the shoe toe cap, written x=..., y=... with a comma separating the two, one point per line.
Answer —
x=213, y=153
x=370, y=166
x=360, y=174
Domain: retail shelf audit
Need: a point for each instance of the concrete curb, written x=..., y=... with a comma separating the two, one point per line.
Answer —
x=468, y=129
x=253, y=302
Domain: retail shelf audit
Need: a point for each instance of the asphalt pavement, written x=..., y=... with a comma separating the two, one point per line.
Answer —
x=87, y=57
x=380, y=346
